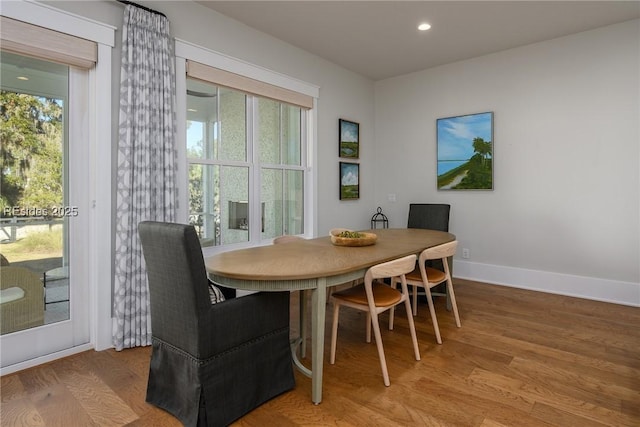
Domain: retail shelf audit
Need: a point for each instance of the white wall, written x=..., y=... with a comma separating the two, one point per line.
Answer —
x=566, y=192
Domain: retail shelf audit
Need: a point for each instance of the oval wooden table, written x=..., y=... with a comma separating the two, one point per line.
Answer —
x=315, y=264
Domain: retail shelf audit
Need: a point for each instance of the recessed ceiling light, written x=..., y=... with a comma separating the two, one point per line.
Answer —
x=22, y=78
x=424, y=26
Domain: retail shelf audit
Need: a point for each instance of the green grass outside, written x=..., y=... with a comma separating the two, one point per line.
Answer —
x=36, y=245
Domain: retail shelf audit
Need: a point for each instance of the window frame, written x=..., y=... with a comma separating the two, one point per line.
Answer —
x=188, y=52
x=283, y=167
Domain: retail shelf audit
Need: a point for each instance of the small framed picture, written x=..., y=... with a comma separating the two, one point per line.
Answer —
x=349, y=181
x=349, y=139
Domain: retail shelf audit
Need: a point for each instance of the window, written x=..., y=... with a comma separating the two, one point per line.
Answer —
x=279, y=134
x=34, y=191
x=246, y=158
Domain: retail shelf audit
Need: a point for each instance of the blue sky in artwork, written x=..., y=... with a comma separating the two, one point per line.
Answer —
x=349, y=174
x=348, y=132
x=456, y=134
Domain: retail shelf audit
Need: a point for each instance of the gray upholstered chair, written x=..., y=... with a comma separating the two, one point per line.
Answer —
x=210, y=363
x=432, y=216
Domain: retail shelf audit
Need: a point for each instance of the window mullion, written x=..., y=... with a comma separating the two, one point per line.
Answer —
x=253, y=155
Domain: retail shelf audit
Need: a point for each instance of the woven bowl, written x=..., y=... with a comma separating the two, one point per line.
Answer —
x=367, y=239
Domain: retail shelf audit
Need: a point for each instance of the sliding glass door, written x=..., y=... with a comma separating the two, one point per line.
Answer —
x=44, y=305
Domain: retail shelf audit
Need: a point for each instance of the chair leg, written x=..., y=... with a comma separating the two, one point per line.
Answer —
x=434, y=319
x=454, y=305
x=392, y=311
x=412, y=329
x=334, y=332
x=449, y=263
x=368, y=337
x=415, y=300
x=383, y=360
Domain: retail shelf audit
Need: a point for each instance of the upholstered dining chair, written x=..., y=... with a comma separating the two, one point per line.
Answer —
x=375, y=297
x=428, y=277
x=432, y=216
x=211, y=363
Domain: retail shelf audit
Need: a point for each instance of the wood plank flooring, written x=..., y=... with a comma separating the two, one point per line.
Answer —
x=521, y=358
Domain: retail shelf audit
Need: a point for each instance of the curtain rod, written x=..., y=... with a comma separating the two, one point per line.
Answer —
x=141, y=7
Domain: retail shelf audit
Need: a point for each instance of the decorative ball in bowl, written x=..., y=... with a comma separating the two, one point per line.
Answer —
x=346, y=237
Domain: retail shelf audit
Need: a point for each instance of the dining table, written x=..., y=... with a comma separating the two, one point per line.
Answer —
x=315, y=265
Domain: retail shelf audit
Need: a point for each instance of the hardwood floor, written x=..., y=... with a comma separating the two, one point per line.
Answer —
x=521, y=358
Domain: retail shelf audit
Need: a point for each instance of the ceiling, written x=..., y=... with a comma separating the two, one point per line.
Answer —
x=379, y=39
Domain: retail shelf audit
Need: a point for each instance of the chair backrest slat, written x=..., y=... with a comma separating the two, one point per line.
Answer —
x=286, y=239
x=438, y=252
x=394, y=268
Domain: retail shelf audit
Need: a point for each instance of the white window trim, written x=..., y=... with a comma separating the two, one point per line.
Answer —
x=188, y=51
x=100, y=164
x=244, y=84
x=224, y=62
x=59, y=20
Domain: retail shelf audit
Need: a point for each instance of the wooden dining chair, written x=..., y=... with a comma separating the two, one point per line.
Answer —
x=375, y=297
x=428, y=277
x=286, y=238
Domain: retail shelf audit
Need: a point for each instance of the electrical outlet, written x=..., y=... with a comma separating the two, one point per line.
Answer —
x=465, y=253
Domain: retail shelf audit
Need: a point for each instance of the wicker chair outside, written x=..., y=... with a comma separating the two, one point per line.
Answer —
x=28, y=311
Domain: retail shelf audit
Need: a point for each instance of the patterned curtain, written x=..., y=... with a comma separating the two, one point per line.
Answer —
x=146, y=188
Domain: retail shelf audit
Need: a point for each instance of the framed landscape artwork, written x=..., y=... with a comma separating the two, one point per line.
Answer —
x=349, y=181
x=349, y=139
x=465, y=152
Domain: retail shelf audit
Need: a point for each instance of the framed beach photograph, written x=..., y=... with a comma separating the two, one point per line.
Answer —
x=465, y=152
x=349, y=181
x=349, y=139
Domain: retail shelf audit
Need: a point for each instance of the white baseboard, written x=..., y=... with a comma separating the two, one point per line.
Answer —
x=606, y=290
